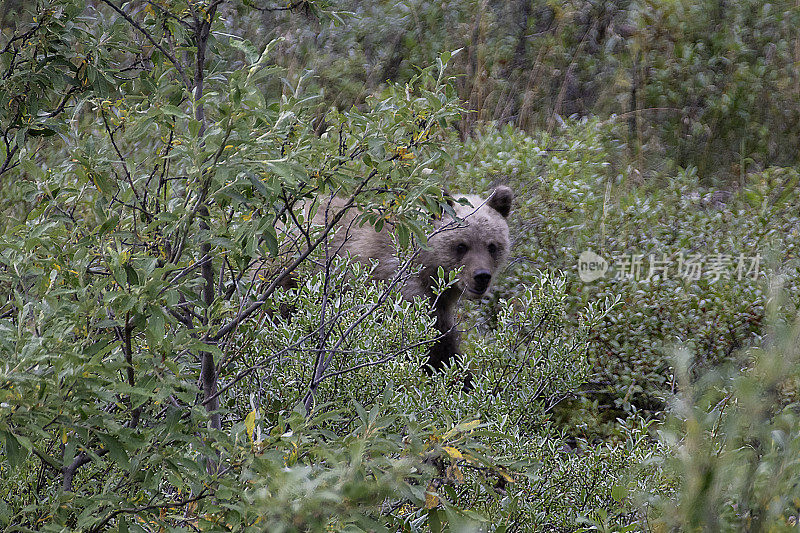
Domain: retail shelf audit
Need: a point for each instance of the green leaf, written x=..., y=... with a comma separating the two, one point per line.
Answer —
x=245, y=46
x=14, y=450
x=290, y=172
x=403, y=235
x=122, y=524
x=69, y=451
x=194, y=127
x=434, y=520
x=196, y=344
x=619, y=492
x=155, y=329
x=271, y=240
x=229, y=191
x=259, y=185
x=172, y=111
x=104, y=184
x=130, y=275
x=115, y=449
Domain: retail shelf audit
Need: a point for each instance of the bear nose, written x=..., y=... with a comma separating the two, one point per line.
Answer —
x=482, y=279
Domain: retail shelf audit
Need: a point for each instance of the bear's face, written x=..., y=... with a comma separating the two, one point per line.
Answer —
x=478, y=241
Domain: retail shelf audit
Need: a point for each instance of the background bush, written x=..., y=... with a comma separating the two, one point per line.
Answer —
x=573, y=199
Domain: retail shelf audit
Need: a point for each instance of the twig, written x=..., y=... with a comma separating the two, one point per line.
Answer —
x=79, y=461
x=113, y=514
x=152, y=40
x=291, y=268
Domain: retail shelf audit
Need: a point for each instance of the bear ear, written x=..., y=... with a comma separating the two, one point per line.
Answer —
x=501, y=199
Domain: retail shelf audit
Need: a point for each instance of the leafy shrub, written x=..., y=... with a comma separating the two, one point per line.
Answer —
x=147, y=378
x=693, y=83
x=571, y=199
x=717, y=74
x=733, y=445
x=149, y=381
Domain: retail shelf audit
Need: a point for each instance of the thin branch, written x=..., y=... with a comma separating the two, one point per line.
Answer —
x=143, y=208
x=249, y=370
x=127, y=348
x=384, y=359
x=152, y=40
x=101, y=525
x=7, y=165
x=208, y=371
x=291, y=268
x=207, y=180
x=326, y=361
x=21, y=36
x=69, y=471
x=185, y=271
x=290, y=7
x=167, y=14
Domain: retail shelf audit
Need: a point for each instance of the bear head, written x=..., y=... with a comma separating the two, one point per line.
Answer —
x=476, y=240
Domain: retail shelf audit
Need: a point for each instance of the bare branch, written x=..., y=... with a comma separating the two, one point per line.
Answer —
x=69, y=471
x=264, y=297
x=324, y=363
x=143, y=207
x=290, y=7
x=153, y=41
x=101, y=525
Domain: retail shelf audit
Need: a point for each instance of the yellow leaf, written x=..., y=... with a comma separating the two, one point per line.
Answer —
x=506, y=476
x=453, y=452
x=431, y=499
x=64, y=437
x=191, y=508
x=462, y=427
x=250, y=423
x=455, y=474
x=468, y=426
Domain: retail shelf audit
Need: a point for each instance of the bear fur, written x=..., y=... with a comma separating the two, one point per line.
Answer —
x=477, y=240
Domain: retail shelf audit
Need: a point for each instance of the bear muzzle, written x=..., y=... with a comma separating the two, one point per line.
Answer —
x=480, y=282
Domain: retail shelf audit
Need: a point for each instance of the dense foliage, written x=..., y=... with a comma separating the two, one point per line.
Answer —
x=180, y=349
x=579, y=201
x=705, y=84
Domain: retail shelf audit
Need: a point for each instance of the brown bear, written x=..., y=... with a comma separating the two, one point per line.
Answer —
x=477, y=240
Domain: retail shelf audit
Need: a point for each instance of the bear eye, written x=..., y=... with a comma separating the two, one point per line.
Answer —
x=492, y=249
x=462, y=248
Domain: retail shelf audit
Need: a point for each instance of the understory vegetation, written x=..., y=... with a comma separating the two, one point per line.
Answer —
x=181, y=349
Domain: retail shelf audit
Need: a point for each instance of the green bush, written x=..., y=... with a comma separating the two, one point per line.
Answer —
x=572, y=198
x=148, y=379
x=692, y=83
x=732, y=439
x=159, y=371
